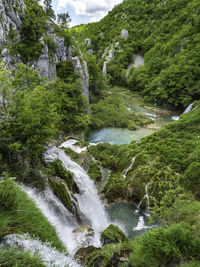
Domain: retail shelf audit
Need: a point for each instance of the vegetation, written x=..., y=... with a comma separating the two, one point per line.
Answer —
x=165, y=33
x=94, y=171
x=23, y=216
x=13, y=257
x=112, y=112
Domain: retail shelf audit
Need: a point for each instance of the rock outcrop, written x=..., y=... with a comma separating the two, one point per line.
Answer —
x=10, y=20
x=10, y=12
x=124, y=34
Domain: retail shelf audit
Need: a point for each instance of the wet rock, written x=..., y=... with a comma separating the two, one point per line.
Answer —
x=82, y=254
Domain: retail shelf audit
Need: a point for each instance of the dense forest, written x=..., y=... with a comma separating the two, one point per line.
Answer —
x=166, y=33
x=159, y=173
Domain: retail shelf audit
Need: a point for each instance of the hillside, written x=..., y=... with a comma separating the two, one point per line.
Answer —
x=68, y=201
x=165, y=33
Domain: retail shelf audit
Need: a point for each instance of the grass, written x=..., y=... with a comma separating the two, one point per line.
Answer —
x=18, y=258
x=28, y=219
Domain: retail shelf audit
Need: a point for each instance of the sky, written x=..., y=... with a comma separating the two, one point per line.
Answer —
x=84, y=11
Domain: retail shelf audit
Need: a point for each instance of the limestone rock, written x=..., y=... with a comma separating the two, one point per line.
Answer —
x=80, y=66
x=124, y=34
x=10, y=17
x=108, y=58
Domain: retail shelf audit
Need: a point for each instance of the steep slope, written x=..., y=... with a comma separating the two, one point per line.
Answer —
x=165, y=33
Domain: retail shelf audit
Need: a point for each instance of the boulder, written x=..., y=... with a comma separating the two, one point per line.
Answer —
x=82, y=254
x=113, y=234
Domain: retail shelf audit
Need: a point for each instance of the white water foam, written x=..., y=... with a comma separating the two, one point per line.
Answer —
x=141, y=225
x=129, y=167
x=50, y=256
x=88, y=200
x=70, y=143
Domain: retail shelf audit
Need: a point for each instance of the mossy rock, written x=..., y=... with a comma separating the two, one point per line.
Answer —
x=132, y=126
x=61, y=190
x=72, y=154
x=113, y=234
x=59, y=171
x=94, y=171
x=82, y=254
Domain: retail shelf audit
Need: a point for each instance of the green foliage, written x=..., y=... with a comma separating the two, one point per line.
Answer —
x=19, y=258
x=192, y=175
x=166, y=34
x=115, y=188
x=73, y=155
x=94, y=171
x=58, y=170
x=36, y=112
x=160, y=247
x=63, y=19
x=65, y=71
x=8, y=194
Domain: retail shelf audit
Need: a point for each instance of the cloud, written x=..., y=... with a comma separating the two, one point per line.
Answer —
x=95, y=9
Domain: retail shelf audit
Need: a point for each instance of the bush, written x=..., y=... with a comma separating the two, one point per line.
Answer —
x=8, y=194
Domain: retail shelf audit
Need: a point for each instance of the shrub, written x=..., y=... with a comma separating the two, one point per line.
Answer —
x=8, y=194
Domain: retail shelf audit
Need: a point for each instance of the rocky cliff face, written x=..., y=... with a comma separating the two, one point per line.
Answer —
x=10, y=12
x=10, y=20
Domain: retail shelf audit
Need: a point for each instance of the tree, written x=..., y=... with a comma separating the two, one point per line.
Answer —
x=63, y=19
x=48, y=9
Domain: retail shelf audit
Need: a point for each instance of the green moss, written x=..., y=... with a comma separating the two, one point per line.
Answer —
x=60, y=189
x=112, y=234
x=73, y=155
x=58, y=170
x=94, y=171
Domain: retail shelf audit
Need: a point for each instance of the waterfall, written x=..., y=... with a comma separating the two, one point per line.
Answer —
x=129, y=167
x=146, y=196
x=71, y=143
x=50, y=256
x=189, y=108
x=88, y=200
x=141, y=225
x=63, y=221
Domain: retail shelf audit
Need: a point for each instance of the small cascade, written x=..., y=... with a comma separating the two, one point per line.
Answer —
x=70, y=143
x=50, y=256
x=141, y=225
x=146, y=196
x=128, y=169
x=189, y=108
x=88, y=200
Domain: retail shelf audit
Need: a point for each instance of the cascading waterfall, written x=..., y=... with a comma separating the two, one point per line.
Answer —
x=129, y=167
x=50, y=256
x=88, y=200
x=189, y=108
x=146, y=196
